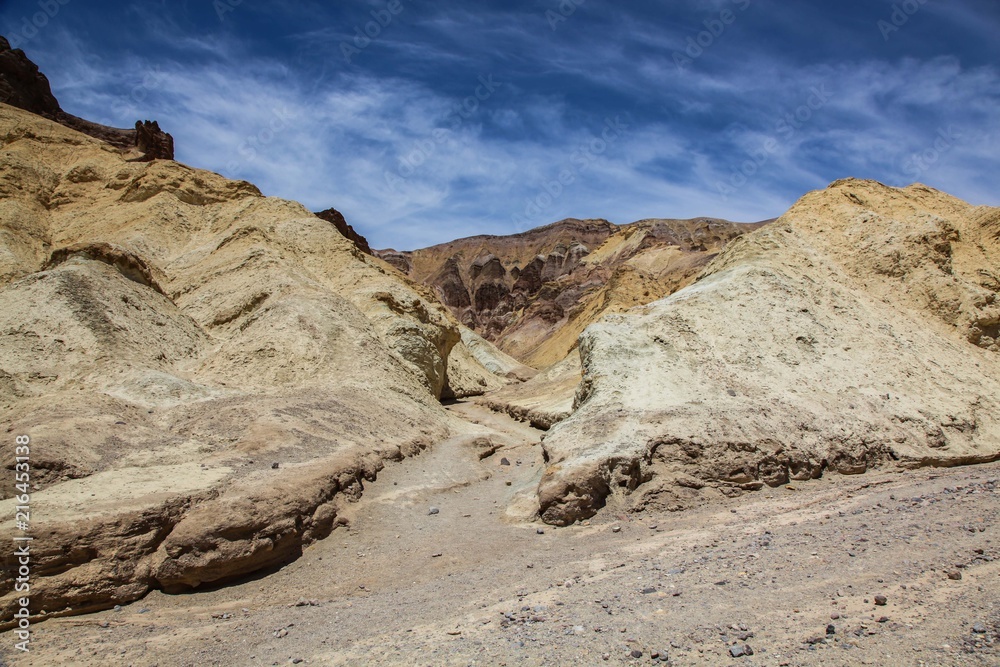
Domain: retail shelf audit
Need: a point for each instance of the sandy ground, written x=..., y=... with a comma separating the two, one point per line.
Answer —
x=792, y=573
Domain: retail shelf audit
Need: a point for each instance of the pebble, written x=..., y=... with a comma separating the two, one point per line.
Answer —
x=275, y=465
x=434, y=510
x=740, y=650
x=881, y=600
x=636, y=653
x=831, y=629
x=955, y=575
x=616, y=529
x=979, y=629
x=540, y=531
x=649, y=590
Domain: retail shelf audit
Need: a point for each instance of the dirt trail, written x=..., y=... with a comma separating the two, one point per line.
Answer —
x=475, y=583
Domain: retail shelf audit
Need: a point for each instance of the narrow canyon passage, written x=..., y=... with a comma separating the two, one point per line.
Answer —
x=439, y=566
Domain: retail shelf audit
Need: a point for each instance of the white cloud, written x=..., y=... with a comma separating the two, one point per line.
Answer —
x=329, y=139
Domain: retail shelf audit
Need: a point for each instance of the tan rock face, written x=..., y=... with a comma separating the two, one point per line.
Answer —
x=206, y=374
x=542, y=401
x=534, y=293
x=476, y=367
x=857, y=331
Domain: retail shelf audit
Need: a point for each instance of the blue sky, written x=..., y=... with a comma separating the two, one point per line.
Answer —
x=493, y=117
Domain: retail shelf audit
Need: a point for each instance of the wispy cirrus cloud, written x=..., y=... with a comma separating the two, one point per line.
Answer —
x=407, y=143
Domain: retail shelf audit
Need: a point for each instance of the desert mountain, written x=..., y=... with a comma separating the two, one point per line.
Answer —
x=206, y=373
x=533, y=293
x=210, y=377
x=860, y=330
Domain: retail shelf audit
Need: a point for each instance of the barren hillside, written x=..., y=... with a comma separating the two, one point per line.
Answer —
x=533, y=293
x=206, y=374
x=859, y=331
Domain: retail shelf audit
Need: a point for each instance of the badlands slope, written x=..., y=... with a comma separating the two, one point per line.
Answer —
x=209, y=376
x=861, y=330
x=206, y=374
x=533, y=293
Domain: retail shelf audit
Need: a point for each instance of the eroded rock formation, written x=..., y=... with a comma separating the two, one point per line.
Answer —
x=152, y=142
x=22, y=85
x=336, y=218
x=206, y=374
x=534, y=293
x=860, y=330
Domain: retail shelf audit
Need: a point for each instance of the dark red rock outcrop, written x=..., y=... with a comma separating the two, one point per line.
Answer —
x=400, y=260
x=451, y=288
x=532, y=293
x=336, y=218
x=154, y=142
x=22, y=85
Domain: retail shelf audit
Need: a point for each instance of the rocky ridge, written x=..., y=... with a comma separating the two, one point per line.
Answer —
x=207, y=375
x=336, y=218
x=533, y=293
x=859, y=331
x=212, y=378
x=22, y=85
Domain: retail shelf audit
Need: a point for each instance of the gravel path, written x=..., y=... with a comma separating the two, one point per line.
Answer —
x=439, y=567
